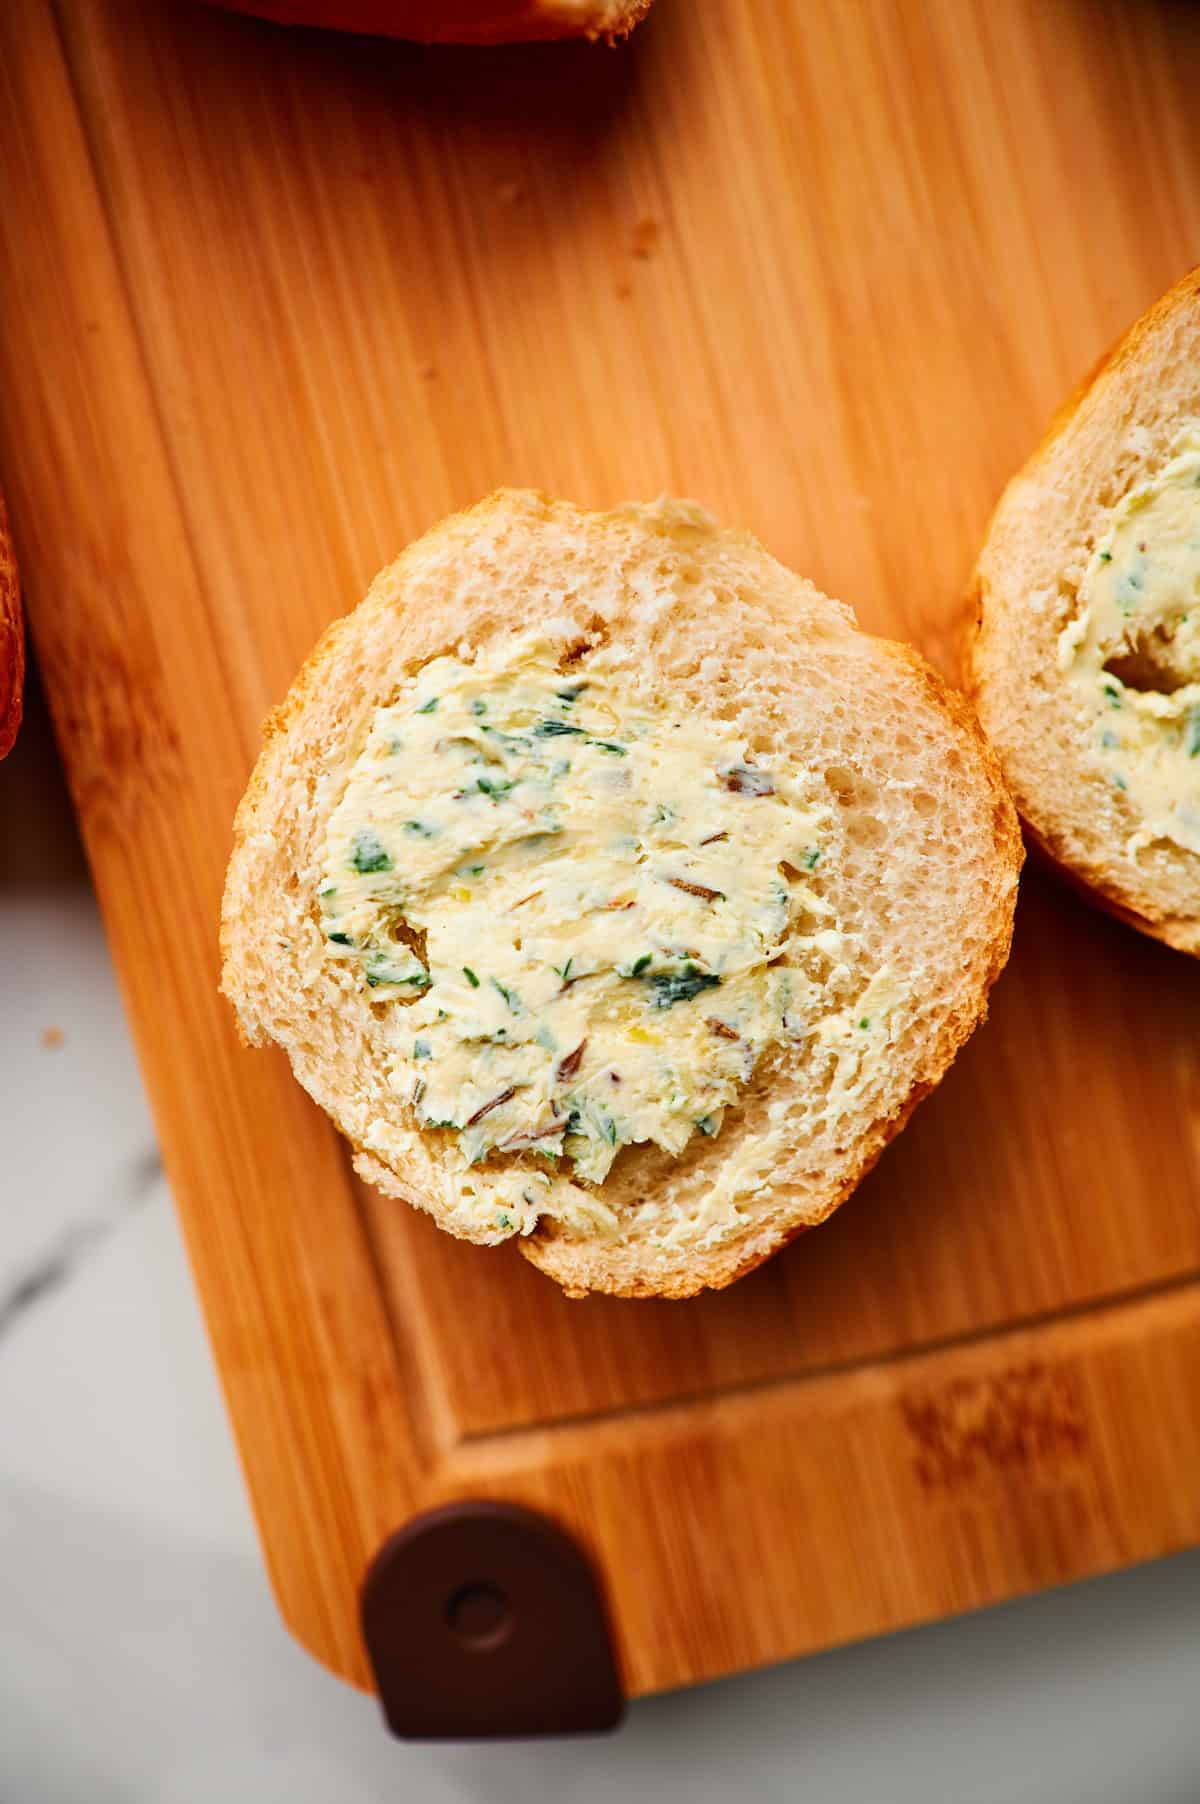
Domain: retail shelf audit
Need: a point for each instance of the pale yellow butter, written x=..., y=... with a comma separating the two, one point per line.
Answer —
x=1132, y=654
x=572, y=897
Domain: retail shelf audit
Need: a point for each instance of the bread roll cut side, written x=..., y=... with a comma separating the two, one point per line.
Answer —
x=1118, y=432
x=919, y=874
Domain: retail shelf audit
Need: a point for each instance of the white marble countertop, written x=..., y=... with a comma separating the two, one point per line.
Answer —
x=141, y=1660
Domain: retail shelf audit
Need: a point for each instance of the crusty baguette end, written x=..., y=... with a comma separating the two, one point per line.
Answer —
x=457, y=21
x=12, y=641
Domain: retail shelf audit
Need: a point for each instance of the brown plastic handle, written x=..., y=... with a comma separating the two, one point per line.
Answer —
x=484, y=1619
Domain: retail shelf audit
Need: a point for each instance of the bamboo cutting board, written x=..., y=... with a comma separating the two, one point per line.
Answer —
x=270, y=304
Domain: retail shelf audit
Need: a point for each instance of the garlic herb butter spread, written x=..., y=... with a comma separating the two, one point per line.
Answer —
x=574, y=896
x=1133, y=653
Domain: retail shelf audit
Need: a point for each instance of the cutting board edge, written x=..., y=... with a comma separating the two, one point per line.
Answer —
x=1010, y=1425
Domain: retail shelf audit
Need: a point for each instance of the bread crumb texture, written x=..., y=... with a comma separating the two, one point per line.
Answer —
x=1085, y=646
x=612, y=891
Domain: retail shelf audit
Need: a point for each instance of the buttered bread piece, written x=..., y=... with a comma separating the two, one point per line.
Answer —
x=1086, y=657
x=613, y=892
x=1133, y=652
x=605, y=889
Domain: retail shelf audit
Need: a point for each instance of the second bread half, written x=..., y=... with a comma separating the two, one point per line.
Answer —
x=1084, y=649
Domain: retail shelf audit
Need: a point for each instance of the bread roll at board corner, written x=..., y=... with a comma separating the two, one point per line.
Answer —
x=456, y=21
x=1084, y=648
x=615, y=893
x=12, y=641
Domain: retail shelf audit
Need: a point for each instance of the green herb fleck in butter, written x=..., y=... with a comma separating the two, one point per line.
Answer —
x=583, y=947
x=1132, y=654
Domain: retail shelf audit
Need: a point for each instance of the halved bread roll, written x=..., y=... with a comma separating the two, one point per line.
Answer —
x=12, y=641
x=1084, y=652
x=456, y=21
x=612, y=890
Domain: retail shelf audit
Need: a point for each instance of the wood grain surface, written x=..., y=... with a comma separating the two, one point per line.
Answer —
x=271, y=303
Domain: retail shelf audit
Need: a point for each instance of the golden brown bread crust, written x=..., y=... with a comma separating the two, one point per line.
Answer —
x=1178, y=931
x=456, y=21
x=1181, y=935
x=12, y=641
